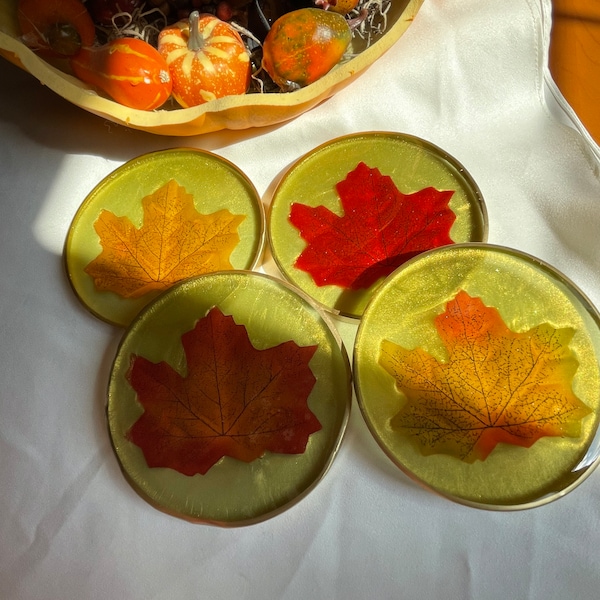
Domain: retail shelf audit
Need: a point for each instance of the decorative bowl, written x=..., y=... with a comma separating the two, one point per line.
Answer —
x=232, y=112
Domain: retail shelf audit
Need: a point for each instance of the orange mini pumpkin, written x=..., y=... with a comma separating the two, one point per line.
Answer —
x=343, y=7
x=129, y=70
x=207, y=59
x=55, y=28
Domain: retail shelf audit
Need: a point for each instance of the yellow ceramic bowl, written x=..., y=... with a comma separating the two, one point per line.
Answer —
x=233, y=112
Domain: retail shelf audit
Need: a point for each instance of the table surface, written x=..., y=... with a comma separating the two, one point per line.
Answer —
x=469, y=76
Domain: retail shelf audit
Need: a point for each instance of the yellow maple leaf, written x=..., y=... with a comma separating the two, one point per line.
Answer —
x=496, y=386
x=175, y=242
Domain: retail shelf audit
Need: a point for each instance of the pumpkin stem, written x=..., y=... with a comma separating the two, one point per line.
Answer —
x=195, y=41
x=63, y=39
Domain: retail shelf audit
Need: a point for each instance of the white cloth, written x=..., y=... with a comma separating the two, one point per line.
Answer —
x=469, y=76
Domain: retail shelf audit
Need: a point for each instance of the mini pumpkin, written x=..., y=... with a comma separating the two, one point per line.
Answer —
x=207, y=59
x=339, y=6
x=303, y=45
x=55, y=28
x=129, y=70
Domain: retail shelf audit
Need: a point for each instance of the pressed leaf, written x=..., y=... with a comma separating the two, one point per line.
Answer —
x=235, y=400
x=380, y=229
x=497, y=386
x=174, y=242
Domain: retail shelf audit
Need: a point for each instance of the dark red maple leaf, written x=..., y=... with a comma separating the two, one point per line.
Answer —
x=381, y=228
x=235, y=400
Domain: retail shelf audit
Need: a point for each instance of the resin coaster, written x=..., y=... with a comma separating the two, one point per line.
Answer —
x=347, y=214
x=228, y=398
x=159, y=219
x=477, y=370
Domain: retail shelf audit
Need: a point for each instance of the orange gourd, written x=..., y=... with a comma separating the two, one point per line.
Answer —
x=207, y=59
x=129, y=70
x=339, y=6
x=303, y=45
x=55, y=28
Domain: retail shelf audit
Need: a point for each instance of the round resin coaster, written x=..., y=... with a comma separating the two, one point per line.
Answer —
x=228, y=398
x=477, y=370
x=159, y=219
x=348, y=213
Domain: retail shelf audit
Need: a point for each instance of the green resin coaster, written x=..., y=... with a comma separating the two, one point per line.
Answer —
x=159, y=219
x=477, y=370
x=348, y=213
x=228, y=398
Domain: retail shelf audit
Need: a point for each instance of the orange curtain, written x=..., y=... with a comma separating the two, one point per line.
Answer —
x=575, y=58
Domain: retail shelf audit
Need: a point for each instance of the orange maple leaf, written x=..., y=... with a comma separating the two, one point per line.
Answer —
x=174, y=242
x=235, y=400
x=496, y=386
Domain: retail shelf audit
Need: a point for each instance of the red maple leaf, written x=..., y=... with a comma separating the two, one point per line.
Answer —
x=381, y=228
x=235, y=400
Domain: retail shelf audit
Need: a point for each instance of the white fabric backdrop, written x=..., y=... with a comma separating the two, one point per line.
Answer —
x=467, y=76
